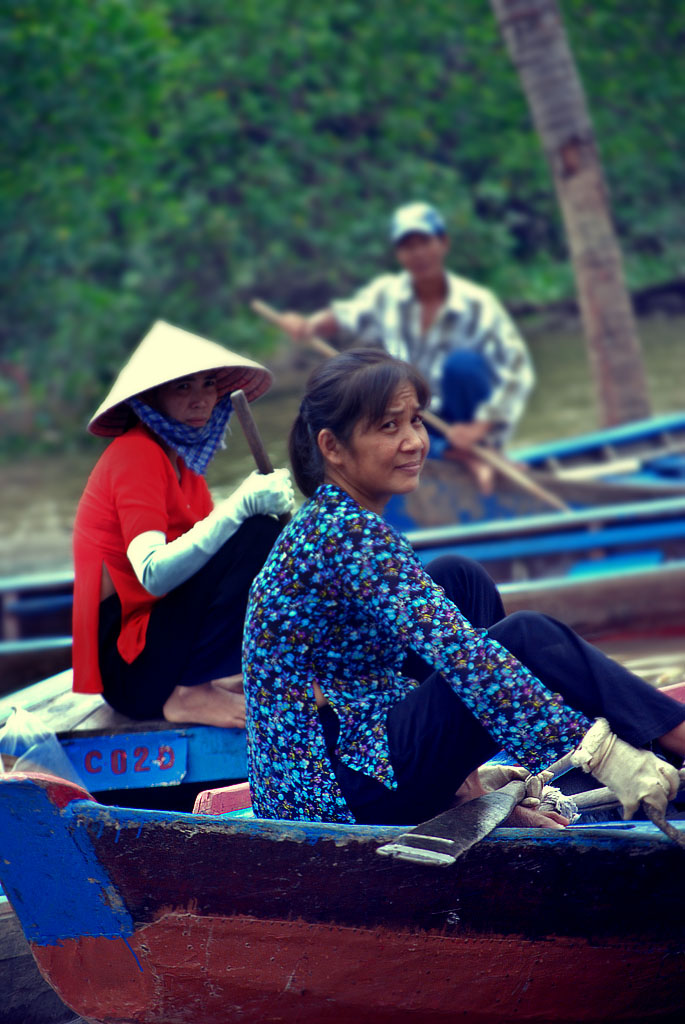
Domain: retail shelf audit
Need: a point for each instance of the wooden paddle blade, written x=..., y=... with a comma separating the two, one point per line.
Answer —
x=440, y=841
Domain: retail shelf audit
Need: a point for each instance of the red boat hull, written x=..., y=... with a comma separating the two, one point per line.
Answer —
x=184, y=969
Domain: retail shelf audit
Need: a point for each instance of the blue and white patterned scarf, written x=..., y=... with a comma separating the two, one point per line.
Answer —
x=195, y=445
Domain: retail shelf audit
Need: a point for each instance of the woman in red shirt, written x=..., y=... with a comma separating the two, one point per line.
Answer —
x=161, y=575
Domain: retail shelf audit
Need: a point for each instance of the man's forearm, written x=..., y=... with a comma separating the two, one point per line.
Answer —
x=323, y=324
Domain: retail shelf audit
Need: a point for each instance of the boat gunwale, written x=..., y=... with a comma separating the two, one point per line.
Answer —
x=620, y=434
x=90, y=813
x=546, y=522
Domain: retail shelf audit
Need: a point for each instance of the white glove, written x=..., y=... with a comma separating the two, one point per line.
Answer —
x=261, y=494
x=160, y=566
x=633, y=775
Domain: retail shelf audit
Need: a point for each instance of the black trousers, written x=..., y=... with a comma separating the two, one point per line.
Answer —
x=435, y=741
x=195, y=631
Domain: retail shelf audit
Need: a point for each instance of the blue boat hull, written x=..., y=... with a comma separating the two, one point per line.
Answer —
x=181, y=918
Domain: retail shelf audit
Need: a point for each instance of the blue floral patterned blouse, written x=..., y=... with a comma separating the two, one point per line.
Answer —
x=340, y=600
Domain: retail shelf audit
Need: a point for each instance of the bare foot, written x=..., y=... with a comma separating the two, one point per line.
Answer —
x=206, y=704
x=528, y=817
x=232, y=683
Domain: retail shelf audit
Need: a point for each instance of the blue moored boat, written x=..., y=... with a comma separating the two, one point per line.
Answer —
x=635, y=462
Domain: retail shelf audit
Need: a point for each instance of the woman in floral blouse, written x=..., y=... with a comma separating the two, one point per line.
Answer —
x=375, y=688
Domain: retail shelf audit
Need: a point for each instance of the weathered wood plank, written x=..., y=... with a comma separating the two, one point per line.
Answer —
x=65, y=712
x=26, y=996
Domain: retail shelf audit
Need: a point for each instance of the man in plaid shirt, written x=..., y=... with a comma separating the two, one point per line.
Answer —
x=456, y=333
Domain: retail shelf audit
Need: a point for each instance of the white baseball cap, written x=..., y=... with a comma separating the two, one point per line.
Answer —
x=416, y=217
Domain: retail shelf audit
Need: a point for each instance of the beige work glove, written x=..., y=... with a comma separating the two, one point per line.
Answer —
x=633, y=775
x=494, y=776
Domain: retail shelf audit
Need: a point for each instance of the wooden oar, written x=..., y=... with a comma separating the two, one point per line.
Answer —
x=441, y=840
x=274, y=317
x=502, y=465
x=492, y=458
x=254, y=440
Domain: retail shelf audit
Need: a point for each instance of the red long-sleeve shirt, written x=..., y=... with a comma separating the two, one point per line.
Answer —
x=132, y=488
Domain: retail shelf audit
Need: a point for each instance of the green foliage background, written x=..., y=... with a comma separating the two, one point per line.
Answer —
x=176, y=158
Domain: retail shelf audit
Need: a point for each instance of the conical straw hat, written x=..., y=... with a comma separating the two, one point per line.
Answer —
x=165, y=353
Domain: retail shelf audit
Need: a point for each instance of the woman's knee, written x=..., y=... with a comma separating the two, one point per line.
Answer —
x=525, y=632
x=450, y=571
x=468, y=585
x=260, y=530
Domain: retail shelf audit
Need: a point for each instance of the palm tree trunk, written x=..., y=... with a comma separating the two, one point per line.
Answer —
x=536, y=39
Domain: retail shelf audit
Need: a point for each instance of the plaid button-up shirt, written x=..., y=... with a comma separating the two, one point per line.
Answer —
x=386, y=313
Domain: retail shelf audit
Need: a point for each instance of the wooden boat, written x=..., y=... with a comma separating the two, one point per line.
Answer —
x=601, y=570
x=36, y=604
x=647, y=453
x=124, y=762
x=115, y=757
x=172, y=918
x=583, y=541
x=635, y=462
x=153, y=766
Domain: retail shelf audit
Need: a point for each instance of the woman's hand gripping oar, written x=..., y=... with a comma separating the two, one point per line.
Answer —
x=487, y=455
x=254, y=440
x=440, y=841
